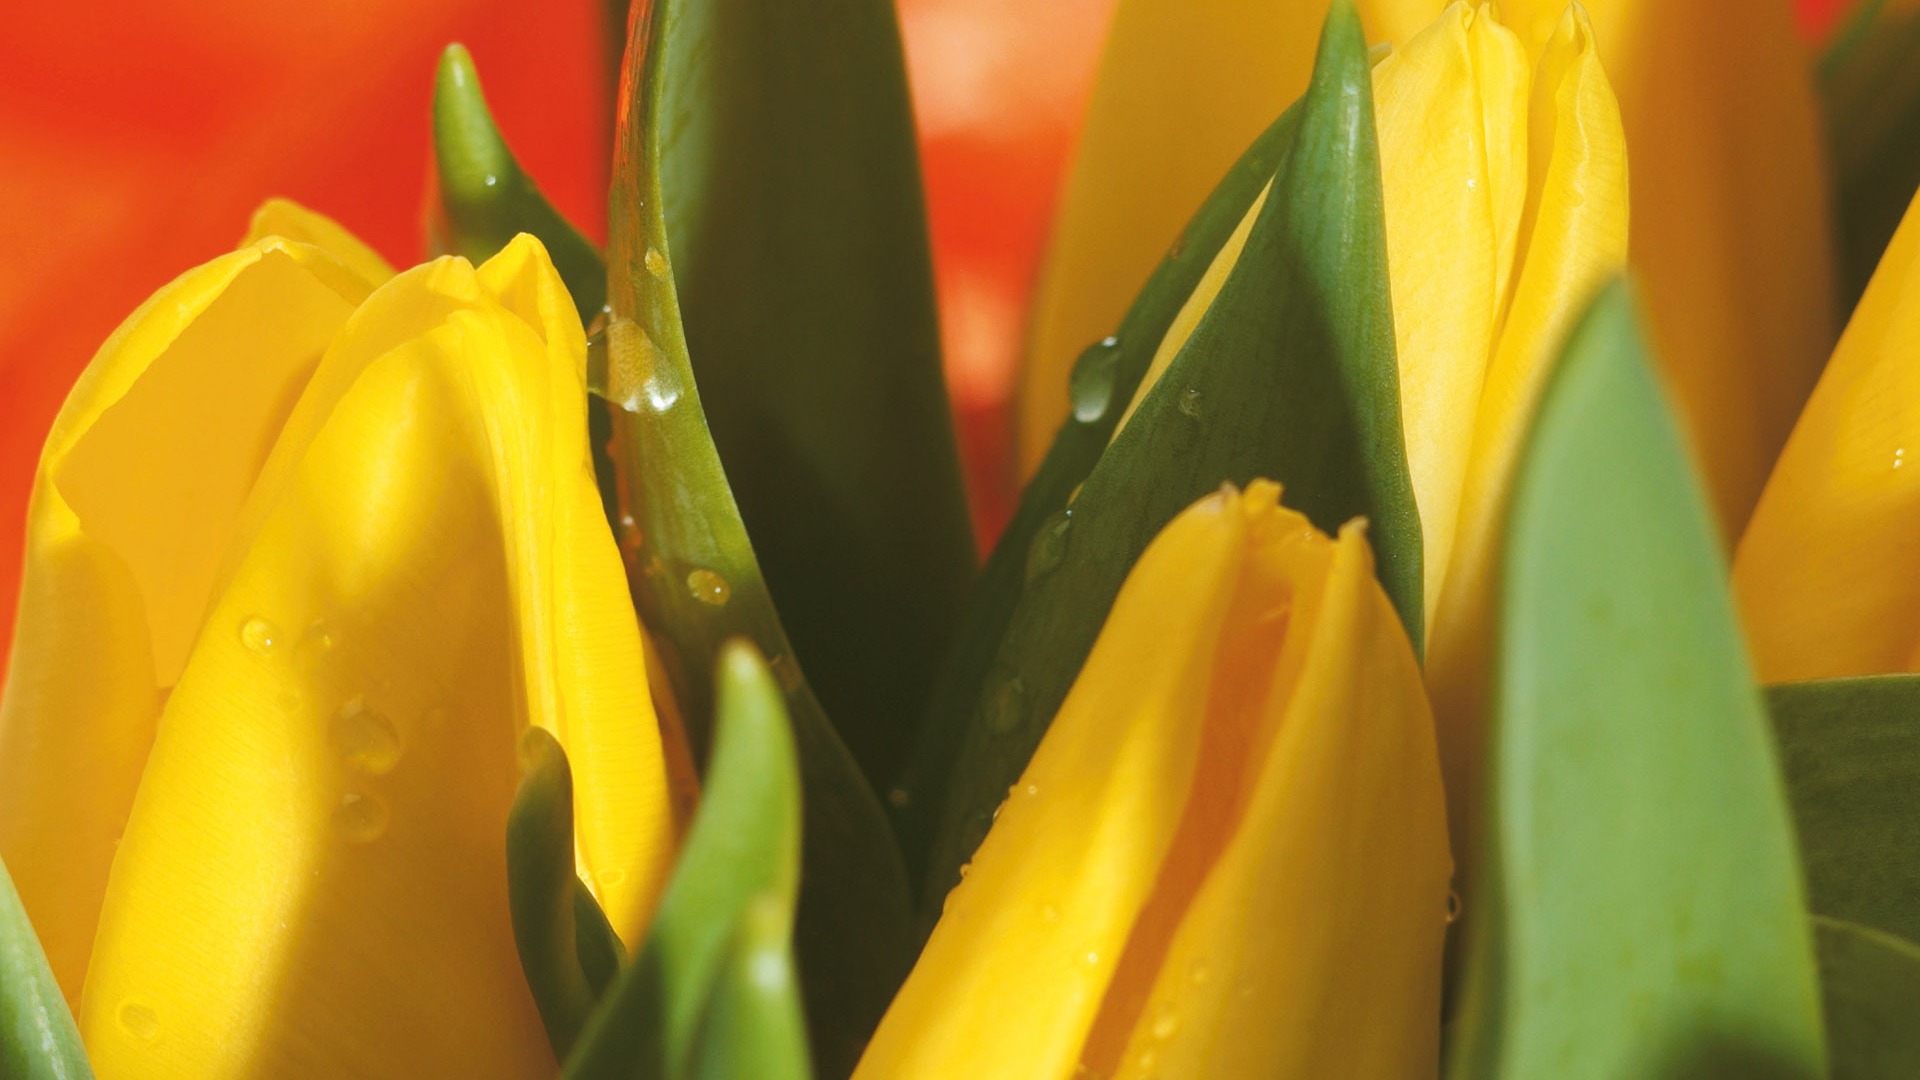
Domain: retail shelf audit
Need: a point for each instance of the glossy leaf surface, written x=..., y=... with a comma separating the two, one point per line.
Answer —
x=1638, y=911
x=547, y=898
x=1289, y=374
x=743, y=846
x=697, y=581
x=1104, y=382
x=796, y=237
x=38, y=1039
x=1851, y=752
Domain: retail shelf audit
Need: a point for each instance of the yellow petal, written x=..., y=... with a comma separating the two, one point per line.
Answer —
x=1731, y=232
x=312, y=881
x=1573, y=239
x=1013, y=977
x=1130, y=812
x=139, y=487
x=1313, y=948
x=1823, y=573
x=1451, y=108
x=288, y=219
x=1184, y=86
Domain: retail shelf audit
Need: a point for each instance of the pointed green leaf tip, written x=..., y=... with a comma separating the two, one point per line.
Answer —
x=1637, y=909
x=1289, y=375
x=726, y=914
x=485, y=197
x=567, y=949
x=38, y=1039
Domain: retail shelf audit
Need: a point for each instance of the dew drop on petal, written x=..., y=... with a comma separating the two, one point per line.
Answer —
x=258, y=635
x=138, y=1020
x=361, y=818
x=365, y=740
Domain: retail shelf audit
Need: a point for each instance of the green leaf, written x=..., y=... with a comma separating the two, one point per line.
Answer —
x=753, y=1026
x=38, y=1039
x=797, y=239
x=697, y=583
x=1871, y=984
x=1289, y=375
x=1869, y=83
x=485, y=198
x=1851, y=752
x=1104, y=382
x=744, y=846
x=1637, y=910
x=567, y=950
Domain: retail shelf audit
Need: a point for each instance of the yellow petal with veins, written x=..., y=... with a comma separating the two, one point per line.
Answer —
x=1130, y=814
x=1822, y=574
x=1313, y=947
x=1732, y=238
x=1184, y=86
x=139, y=486
x=1573, y=239
x=312, y=880
x=1451, y=109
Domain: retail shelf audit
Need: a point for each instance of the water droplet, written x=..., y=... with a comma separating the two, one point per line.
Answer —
x=367, y=741
x=1049, y=913
x=1453, y=906
x=491, y=180
x=1007, y=708
x=139, y=1021
x=614, y=876
x=964, y=867
x=898, y=797
x=258, y=634
x=708, y=587
x=1092, y=957
x=656, y=263
x=315, y=643
x=1198, y=973
x=1166, y=1020
x=1179, y=247
x=361, y=818
x=638, y=377
x=1899, y=454
x=1090, y=387
x=1032, y=790
x=1049, y=547
x=1189, y=403
x=1146, y=1061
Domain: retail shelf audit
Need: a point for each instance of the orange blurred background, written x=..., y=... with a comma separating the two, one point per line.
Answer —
x=134, y=144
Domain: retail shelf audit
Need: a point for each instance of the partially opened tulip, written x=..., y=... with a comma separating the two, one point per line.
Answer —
x=310, y=546
x=1228, y=857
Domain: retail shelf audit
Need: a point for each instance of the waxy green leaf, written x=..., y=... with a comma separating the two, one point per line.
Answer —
x=697, y=583
x=1289, y=375
x=1637, y=910
x=38, y=1039
x=742, y=850
x=1851, y=752
x=753, y=1025
x=796, y=235
x=1105, y=380
x=1871, y=985
x=486, y=199
x=567, y=949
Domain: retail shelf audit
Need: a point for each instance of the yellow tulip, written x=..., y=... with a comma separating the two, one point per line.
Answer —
x=1504, y=183
x=1732, y=242
x=1228, y=856
x=1822, y=574
x=309, y=546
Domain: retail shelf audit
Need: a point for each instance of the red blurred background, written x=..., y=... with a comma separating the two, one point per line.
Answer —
x=135, y=143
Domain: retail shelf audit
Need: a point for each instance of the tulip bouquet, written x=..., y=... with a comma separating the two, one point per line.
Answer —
x=1444, y=628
